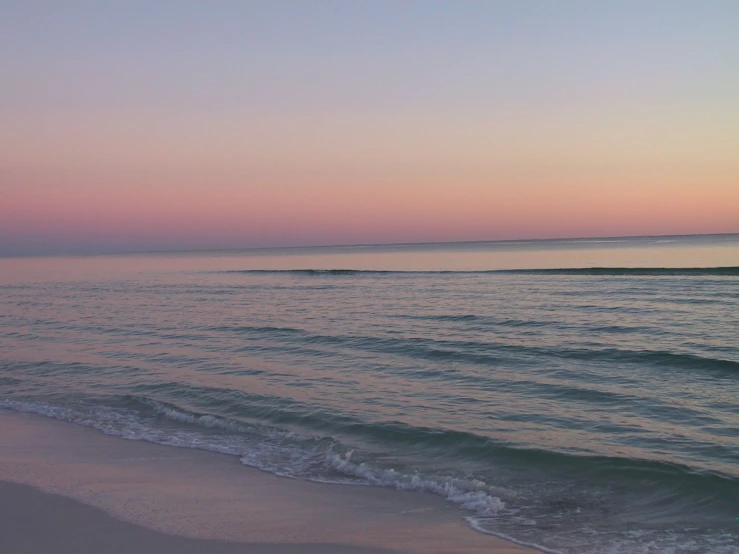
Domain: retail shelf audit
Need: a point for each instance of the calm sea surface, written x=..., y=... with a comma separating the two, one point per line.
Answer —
x=590, y=410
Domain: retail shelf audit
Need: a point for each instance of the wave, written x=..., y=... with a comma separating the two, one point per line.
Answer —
x=135, y=417
x=485, y=353
x=730, y=271
x=484, y=322
x=283, y=453
x=499, y=507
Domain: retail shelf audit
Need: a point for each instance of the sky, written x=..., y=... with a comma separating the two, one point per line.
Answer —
x=153, y=125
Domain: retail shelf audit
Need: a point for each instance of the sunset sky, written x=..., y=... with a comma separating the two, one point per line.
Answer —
x=135, y=125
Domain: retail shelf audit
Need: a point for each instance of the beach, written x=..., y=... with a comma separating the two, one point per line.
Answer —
x=69, y=489
x=573, y=396
x=419, y=277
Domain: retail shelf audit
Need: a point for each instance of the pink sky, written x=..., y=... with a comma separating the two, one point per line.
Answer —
x=119, y=141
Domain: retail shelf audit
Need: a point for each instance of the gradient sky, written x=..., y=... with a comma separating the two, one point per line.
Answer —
x=136, y=125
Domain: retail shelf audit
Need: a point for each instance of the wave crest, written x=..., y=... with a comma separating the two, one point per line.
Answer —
x=729, y=271
x=283, y=453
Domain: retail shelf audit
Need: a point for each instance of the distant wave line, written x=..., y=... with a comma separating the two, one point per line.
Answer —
x=596, y=271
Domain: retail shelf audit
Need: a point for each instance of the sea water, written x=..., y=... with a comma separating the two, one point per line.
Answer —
x=577, y=395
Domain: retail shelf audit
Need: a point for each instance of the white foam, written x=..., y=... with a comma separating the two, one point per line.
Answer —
x=211, y=421
x=275, y=451
x=469, y=494
x=119, y=423
x=292, y=455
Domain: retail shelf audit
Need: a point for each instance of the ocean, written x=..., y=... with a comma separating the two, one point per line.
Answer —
x=577, y=395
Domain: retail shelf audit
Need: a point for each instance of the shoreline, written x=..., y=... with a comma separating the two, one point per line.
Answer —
x=141, y=496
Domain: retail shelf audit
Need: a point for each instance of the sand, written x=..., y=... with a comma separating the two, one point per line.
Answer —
x=71, y=489
x=33, y=522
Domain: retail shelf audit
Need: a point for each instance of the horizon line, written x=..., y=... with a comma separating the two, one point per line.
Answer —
x=356, y=245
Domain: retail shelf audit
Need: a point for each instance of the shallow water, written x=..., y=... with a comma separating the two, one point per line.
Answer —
x=585, y=411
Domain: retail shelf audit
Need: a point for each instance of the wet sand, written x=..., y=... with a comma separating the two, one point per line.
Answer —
x=33, y=522
x=70, y=489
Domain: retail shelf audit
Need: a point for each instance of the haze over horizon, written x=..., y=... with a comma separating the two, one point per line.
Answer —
x=132, y=126
x=379, y=245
